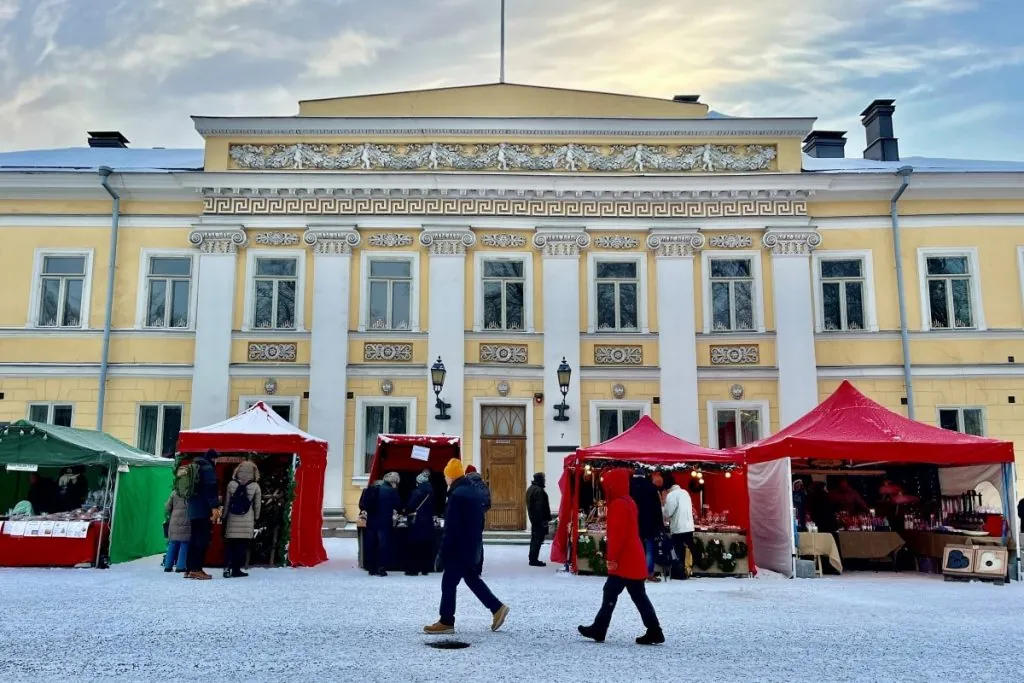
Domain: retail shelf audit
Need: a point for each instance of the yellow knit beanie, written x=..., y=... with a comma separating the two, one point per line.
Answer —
x=453, y=470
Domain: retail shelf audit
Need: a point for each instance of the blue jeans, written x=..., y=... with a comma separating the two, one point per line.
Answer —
x=177, y=553
x=450, y=582
x=649, y=552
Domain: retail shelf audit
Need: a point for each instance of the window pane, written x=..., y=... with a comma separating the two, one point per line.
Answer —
x=609, y=424
x=850, y=268
x=400, y=305
x=492, y=306
x=720, y=307
x=283, y=410
x=62, y=416
x=627, y=306
x=726, y=421
x=962, y=303
x=147, y=428
x=264, y=309
x=179, y=303
x=937, y=303
x=730, y=268
x=397, y=420
x=286, y=304
x=72, y=304
x=625, y=270
x=744, y=305
x=973, y=422
x=750, y=425
x=949, y=419
x=162, y=265
x=156, y=308
x=953, y=265
x=275, y=267
x=854, y=306
x=390, y=268
x=503, y=268
x=39, y=413
x=514, y=305
x=172, y=426
x=830, y=305
x=374, y=426
x=605, y=306
x=378, y=306
x=64, y=265
x=50, y=302
x=630, y=418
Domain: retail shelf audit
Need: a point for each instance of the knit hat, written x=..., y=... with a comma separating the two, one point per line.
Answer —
x=423, y=477
x=392, y=478
x=453, y=470
x=471, y=469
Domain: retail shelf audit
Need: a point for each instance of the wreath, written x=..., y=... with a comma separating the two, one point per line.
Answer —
x=727, y=563
x=594, y=553
x=715, y=549
x=738, y=549
x=701, y=559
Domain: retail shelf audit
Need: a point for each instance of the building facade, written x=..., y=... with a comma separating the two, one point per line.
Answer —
x=719, y=274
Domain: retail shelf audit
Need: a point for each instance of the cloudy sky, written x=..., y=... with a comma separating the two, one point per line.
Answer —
x=955, y=67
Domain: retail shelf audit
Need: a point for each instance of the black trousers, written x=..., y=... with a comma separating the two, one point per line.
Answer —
x=370, y=549
x=537, y=534
x=235, y=552
x=450, y=580
x=681, y=542
x=613, y=588
x=198, y=544
x=419, y=556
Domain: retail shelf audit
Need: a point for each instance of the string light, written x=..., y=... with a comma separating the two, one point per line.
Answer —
x=693, y=473
x=728, y=475
x=701, y=481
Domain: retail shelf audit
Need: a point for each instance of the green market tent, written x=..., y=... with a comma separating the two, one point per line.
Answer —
x=142, y=483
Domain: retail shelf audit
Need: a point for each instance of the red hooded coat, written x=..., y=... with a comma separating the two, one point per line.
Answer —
x=625, y=551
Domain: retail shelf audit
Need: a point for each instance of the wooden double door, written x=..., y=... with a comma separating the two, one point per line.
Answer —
x=503, y=458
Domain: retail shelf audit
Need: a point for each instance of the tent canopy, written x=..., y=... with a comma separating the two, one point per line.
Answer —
x=394, y=453
x=647, y=443
x=850, y=426
x=46, y=445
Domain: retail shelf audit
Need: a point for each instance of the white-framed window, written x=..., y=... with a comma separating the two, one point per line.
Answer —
x=61, y=288
x=503, y=292
x=390, y=289
x=377, y=415
x=734, y=423
x=950, y=289
x=167, y=297
x=845, y=292
x=618, y=292
x=285, y=406
x=275, y=298
x=610, y=418
x=158, y=427
x=733, y=301
x=60, y=414
x=969, y=420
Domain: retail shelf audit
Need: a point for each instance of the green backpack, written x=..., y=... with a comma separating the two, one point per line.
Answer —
x=186, y=483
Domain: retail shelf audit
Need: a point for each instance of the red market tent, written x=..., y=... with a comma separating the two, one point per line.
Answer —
x=260, y=430
x=648, y=444
x=394, y=453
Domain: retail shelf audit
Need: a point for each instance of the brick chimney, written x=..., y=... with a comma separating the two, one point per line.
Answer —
x=107, y=138
x=877, y=120
x=826, y=144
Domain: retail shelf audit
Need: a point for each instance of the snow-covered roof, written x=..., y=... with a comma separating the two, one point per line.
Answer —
x=137, y=160
x=258, y=420
x=920, y=164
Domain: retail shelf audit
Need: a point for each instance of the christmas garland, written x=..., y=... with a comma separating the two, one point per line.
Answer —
x=286, y=521
x=594, y=553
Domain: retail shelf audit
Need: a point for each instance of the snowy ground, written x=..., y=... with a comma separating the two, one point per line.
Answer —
x=334, y=623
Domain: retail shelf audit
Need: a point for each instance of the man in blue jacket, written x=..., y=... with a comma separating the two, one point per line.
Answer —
x=460, y=551
x=203, y=512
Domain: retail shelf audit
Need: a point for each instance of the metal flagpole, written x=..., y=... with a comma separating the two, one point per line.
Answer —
x=502, y=74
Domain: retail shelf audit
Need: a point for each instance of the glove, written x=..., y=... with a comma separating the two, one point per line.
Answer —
x=215, y=517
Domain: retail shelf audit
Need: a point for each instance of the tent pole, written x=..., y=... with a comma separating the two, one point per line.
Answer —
x=576, y=519
x=113, y=508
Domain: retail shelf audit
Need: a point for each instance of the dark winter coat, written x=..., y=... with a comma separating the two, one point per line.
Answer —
x=477, y=481
x=463, y=526
x=421, y=507
x=538, y=508
x=822, y=511
x=206, y=497
x=43, y=494
x=178, y=527
x=1020, y=513
x=625, y=552
x=387, y=503
x=648, y=505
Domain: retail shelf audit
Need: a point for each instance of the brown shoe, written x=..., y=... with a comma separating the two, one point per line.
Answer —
x=201, y=576
x=499, y=617
x=439, y=629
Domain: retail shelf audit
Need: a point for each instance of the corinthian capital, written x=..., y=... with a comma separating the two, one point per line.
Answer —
x=331, y=241
x=791, y=242
x=675, y=243
x=561, y=242
x=219, y=240
x=447, y=241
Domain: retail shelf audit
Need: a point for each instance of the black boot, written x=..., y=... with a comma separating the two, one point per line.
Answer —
x=592, y=633
x=227, y=573
x=238, y=574
x=654, y=636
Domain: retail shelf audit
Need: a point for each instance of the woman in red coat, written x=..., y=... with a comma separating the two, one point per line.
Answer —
x=627, y=563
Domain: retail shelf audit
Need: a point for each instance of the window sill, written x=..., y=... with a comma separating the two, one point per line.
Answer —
x=361, y=480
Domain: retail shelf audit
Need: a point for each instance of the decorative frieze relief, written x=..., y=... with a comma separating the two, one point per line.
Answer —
x=616, y=242
x=799, y=243
x=735, y=354
x=331, y=242
x=675, y=244
x=223, y=241
x=618, y=355
x=561, y=243
x=730, y=241
x=389, y=240
x=503, y=156
x=388, y=353
x=272, y=352
x=503, y=240
x=512, y=354
x=277, y=239
x=447, y=242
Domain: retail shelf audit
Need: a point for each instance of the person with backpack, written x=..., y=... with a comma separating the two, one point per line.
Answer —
x=242, y=503
x=198, y=486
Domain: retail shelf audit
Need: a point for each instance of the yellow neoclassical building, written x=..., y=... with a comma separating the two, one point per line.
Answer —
x=721, y=274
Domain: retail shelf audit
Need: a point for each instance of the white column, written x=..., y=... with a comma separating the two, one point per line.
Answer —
x=215, y=297
x=561, y=298
x=794, y=320
x=677, y=331
x=446, y=338
x=328, y=364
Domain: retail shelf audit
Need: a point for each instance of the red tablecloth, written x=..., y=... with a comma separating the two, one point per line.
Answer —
x=25, y=551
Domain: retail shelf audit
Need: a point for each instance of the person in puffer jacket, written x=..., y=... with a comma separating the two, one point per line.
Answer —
x=627, y=563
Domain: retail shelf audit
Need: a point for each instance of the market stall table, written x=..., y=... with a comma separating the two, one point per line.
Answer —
x=705, y=537
x=869, y=545
x=50, y=551
x=817, y=545
x=932, y=543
